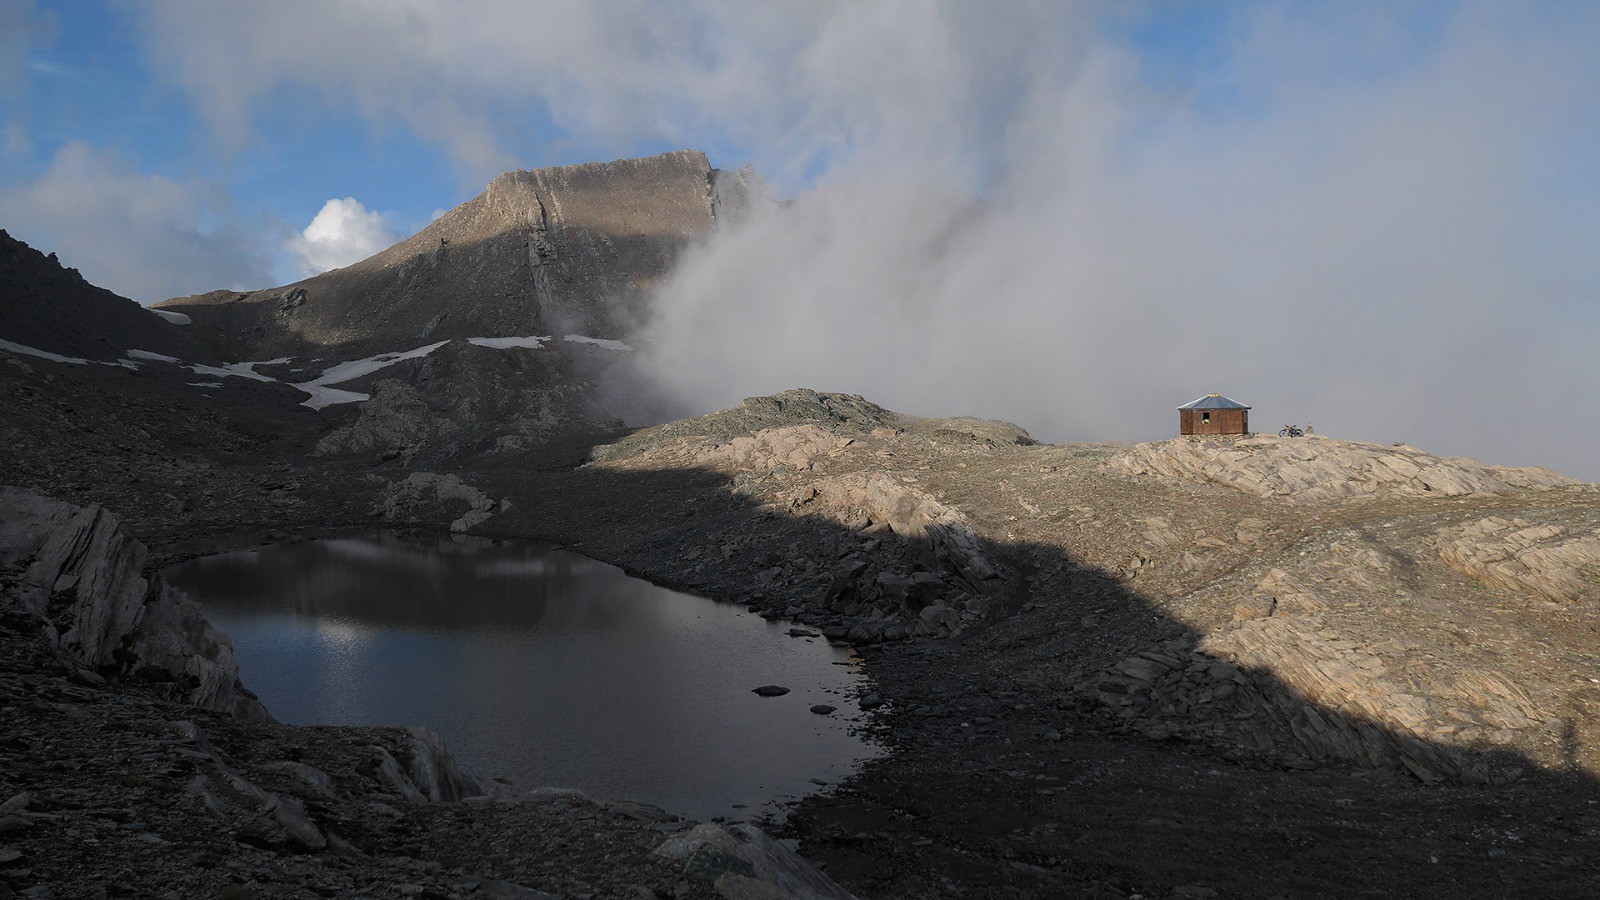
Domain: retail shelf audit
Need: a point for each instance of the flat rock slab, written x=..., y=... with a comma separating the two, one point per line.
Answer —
x=770, y=690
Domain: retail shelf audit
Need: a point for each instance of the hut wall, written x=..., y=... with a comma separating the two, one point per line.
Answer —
x=1223, y=421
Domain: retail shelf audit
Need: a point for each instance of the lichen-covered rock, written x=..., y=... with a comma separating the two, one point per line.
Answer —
x=1316, y=469
x=1519, y=555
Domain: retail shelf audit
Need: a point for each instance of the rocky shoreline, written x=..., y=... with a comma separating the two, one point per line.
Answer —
x=167, y=777
x=1087, y=680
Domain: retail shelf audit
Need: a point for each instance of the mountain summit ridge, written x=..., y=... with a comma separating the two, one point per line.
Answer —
x=562, y=249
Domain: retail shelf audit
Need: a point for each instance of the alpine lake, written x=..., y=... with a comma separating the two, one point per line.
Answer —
x=538, y=666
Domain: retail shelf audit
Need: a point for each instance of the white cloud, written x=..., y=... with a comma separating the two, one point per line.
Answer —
x=1378, y=251
x=143, y=236
x=807, y=83
x=1384, y=226
x=342, y=232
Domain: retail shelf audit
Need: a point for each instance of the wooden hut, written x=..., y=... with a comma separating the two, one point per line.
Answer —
x=1213, y=414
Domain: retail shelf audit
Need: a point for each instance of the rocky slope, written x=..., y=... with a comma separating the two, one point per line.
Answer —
x=49, y=308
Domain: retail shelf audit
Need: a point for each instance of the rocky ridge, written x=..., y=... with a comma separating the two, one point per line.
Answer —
x=567, y=249
x=929, y=576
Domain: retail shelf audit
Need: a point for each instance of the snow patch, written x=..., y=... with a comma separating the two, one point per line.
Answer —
x=239, y=369
x=153, y=357
x=42, y=354
x=326, y=396
x=603, y=343
x=533, y=342
x=322, y=396
x=176, y=318
x=25, y=350
x=205, y=384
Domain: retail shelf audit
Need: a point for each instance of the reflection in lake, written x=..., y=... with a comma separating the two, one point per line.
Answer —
x=539, y=664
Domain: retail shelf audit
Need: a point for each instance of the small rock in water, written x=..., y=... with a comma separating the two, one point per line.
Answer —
x=770, y=690
x=801, y=632
x=823, y=709
x=871, y=701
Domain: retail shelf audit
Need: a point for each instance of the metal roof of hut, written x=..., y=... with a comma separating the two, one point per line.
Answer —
x=1213, y=401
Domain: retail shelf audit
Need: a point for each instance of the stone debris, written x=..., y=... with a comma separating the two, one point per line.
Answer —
x=1519, y=555
x=745, y=864
x=1315, y=469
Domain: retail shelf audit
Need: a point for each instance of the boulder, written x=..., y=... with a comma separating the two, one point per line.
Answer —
x=84, y=576
x=422, y=491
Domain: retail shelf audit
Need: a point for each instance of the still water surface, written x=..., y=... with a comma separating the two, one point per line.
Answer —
x=537, y=664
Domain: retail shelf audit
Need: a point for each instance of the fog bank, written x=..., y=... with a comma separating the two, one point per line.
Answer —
x=1388, y=234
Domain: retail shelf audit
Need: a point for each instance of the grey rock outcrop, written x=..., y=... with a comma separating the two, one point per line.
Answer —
x=233, y=798
x=842, y=414
x=395, y=421
x=465, y=399
x=421, y=493
x=1316, y=469
x=84, y=575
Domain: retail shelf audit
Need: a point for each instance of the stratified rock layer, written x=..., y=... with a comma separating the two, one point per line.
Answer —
x=1519, y=555
x=1318, y=469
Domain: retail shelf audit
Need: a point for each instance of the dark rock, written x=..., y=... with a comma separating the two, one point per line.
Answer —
x=823, y=709
x=770, y=690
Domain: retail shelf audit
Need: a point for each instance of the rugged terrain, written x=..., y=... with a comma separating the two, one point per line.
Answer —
x=1258, y=667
